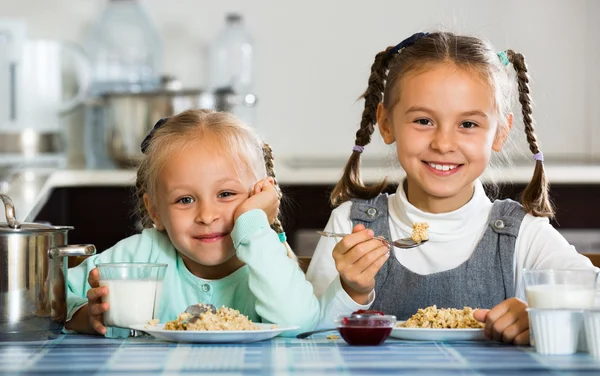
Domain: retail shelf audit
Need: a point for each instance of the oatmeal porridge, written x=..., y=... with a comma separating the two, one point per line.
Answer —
x=444, y=318
x=224, y=319
x=419, y=232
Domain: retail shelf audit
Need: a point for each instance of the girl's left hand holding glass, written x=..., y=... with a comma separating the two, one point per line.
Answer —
x=264, y=196
x=96, y=307
x=90, y=318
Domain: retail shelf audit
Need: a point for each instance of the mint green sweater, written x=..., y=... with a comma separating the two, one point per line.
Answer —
x=270, y=288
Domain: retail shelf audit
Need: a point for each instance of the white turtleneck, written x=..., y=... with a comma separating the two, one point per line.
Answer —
x=453, y=238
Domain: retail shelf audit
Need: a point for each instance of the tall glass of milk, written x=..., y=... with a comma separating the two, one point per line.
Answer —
x=134, y=291
x=555, y=288
x=557, y=299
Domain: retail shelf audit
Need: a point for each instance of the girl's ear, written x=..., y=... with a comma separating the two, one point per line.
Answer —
x=503, y=134
x=385, y=126
x=152, y=212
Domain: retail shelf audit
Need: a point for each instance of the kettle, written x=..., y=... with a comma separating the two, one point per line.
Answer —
x=32, y=82
x=33, y=275
x=34, y=71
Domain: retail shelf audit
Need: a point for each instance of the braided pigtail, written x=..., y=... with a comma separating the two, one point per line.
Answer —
x=277, y=226
x=351, y=185
x=535, y=200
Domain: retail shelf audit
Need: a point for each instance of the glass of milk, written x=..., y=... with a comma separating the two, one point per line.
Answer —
x=557, y=299
x=555, y=288
x=134, y=291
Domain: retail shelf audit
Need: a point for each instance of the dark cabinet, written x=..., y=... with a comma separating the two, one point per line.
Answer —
x=105, y=215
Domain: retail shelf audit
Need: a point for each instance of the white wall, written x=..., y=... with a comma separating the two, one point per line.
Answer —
x=593, y=78
x=314, y=56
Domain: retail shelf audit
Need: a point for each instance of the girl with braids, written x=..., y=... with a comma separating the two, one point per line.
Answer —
x=209, y=203
x=445, y=101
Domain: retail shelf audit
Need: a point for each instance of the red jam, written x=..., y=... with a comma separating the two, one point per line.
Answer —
x=366, y=327
x=364, y=336
x=367, y=312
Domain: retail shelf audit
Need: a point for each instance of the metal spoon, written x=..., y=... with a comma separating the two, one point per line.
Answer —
x=404, y=243
x=198, y=309
x=308, y=334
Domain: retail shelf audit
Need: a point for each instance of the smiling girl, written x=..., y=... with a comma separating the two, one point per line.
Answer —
x=445, y=101
x=207, y=199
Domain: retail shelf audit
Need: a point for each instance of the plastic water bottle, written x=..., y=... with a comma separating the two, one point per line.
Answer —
x=231, y=66
x=126, y=53
x=125, y=49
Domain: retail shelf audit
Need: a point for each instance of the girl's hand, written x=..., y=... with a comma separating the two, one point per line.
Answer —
x=264, y=196
x=358, y=257
x=96, y=308
x=507, y=322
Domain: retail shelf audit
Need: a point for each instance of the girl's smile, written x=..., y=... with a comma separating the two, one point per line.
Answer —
x=211, y=238
x=443, y=169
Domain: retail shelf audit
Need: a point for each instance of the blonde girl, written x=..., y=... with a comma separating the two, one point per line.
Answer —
x=208, y=202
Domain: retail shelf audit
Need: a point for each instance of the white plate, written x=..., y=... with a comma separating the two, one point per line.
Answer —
x=267, y=331
x=426, y=334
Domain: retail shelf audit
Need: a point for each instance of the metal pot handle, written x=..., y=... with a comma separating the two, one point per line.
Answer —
x=9, y=207
x=72, y=250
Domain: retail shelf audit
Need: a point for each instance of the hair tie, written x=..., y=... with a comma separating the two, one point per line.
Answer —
x=503, y=58
x=358, y=148
x=282, y=237
x=407, y=42
x=148, y=137
x=539, y=156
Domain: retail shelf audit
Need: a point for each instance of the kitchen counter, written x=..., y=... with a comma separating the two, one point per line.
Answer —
x=30, y=189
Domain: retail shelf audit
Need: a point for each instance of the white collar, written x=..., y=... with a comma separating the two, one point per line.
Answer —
x=444, y=226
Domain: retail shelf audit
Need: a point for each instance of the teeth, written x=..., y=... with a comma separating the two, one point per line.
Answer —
x=442, y=167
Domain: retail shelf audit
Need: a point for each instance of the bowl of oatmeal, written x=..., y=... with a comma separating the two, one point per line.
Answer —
x=224, y=325
x=442, y=318
x=223, y=319
x=440, y=324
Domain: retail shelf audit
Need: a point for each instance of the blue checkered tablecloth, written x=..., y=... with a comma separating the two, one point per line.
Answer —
x=81, y=354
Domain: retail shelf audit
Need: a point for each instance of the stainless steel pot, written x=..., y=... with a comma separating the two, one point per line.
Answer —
x=33, y=263
x=30, y=142
x=130, y=116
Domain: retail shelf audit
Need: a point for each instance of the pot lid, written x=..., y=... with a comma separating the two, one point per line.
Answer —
x=29, y=227
x=168, y=86
x=155, y=93
x=13, y=226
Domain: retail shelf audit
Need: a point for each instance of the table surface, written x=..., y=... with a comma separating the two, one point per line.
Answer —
x=82, y=354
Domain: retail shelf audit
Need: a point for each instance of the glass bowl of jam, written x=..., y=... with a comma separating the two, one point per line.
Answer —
x=365, y=328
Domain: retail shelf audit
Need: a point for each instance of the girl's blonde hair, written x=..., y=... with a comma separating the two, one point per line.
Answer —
x=235, y=141
x=468, y=53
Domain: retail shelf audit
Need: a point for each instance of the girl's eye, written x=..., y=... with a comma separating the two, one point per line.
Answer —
x=423, y=122
x=186, y=200
x=468, y=125
x=226, y=194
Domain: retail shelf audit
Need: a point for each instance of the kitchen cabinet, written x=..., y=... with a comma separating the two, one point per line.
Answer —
x=103, y=215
